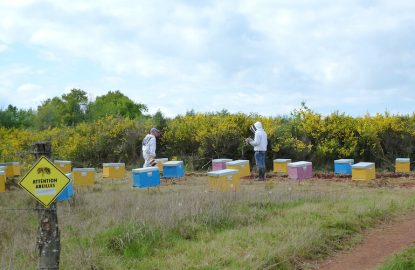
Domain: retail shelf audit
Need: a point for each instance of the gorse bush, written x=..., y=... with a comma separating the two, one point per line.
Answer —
x=199, y=137
x=87, y=144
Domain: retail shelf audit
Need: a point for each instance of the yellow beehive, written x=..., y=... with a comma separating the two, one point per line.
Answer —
x=160, y=162
x=64, y=165
x=364, y=171
x=281, y=165
x=15, y=168
x=241, y=165
x=8, y=169
x=224, y=180
x=113, y=170
x=2, y=181
x=83, y=176
x=402, y=165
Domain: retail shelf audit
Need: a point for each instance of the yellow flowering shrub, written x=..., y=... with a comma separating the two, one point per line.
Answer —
x=198, y=138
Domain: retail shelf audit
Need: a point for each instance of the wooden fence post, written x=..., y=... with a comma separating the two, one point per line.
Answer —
x=48, y=236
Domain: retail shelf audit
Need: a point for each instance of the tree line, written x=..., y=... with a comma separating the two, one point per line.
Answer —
x=71, y=109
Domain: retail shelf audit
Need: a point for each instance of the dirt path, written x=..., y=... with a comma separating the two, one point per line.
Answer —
x=377, y=245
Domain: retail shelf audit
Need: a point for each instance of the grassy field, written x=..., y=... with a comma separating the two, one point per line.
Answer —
x=273, y=225
x=402, y=261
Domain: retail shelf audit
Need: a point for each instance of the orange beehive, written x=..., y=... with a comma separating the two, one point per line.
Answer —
x=14, y=168
x=83, y=176
x=364, y=171
x=64, y=165
x=2, y=181
x=281, y=165
x=403, y=165
x=224, y=180
x=241, y=165
x=113, y=170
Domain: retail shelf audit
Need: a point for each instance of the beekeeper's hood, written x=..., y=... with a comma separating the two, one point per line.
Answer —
x=258, y=125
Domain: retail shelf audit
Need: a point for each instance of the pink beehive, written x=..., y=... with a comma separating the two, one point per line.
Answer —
x=219, y=164
x=300, y=170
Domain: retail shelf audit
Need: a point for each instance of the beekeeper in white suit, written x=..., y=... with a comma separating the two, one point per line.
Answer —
x=149, y=148
x=259, y=143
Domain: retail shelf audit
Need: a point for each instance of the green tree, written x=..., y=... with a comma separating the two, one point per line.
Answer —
x=75, y=104
x=16, y=118
x=114, y=104
x=68, y=110
x=49, y=114
x=160, y=121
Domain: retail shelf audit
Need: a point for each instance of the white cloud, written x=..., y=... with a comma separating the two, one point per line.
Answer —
x=264, y=56
x=10, y=74
x=23, y=95
x=28, y=88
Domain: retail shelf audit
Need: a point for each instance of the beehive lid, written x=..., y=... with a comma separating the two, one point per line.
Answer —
x=237, y=162
x=161, y=160
x=113, y=164
x=62, y=161
x=12, y=163
x=403, y=160
x=344, y=160
x=363, y=165
x=147, y=169
x=3, y=164
x=221, y=160
x=223, y=172
x=83, y=169
x=282, y=160
x=173, y=163
x=299, y=164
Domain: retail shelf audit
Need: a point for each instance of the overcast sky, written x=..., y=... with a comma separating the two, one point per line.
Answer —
x=259, y=56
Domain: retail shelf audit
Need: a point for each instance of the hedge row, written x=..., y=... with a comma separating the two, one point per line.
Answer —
x=199, y=137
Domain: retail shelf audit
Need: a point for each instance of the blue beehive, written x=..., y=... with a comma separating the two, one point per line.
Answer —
x=146, y=177
x=173, y=169
x=343, y=166
x=67, y=192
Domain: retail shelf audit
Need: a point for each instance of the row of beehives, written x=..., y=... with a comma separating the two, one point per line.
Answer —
x=359, y=171
x=142, y=177
x=225, y=174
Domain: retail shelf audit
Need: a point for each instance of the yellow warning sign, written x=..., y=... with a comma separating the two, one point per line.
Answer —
x=44, y=181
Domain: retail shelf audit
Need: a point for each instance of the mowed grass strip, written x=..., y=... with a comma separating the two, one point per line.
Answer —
x=281, y=225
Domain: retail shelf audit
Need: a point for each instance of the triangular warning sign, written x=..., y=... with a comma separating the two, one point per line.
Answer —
x=44, y=181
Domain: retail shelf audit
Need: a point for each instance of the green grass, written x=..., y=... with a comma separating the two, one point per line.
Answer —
x=401, y=261
x=263, y=226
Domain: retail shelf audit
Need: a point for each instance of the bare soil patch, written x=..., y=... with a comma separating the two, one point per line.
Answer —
x=377, y=245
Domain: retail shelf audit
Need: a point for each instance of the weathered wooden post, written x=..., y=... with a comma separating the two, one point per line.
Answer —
x=48, y=237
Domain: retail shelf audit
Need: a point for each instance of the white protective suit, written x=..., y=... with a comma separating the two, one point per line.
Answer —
x=149, y=149
x=260, y=141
